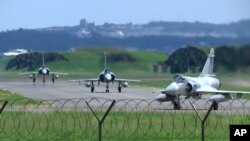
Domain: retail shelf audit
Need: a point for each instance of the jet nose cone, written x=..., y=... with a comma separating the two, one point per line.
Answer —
x=160, y=97
x=172, y=88
x=44, y=71
x=108, y=77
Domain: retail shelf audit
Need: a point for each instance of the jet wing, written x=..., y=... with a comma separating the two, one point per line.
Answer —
x=127, y=80
x=83, y=80
x=207, y=89
x=58, y=73
x=29, y=73
x=162, y=91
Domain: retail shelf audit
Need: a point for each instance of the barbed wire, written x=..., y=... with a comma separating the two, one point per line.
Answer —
x=71, y=119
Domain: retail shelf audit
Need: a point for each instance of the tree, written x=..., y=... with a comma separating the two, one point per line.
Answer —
x=226, y=56
x=183, y=58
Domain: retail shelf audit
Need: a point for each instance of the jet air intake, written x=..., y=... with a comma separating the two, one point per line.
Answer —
x=190, y=87
x=125, y=84
x=218, y=98
x=31, y=76
x=87, y=83
x=161, y=97
x=56, y=76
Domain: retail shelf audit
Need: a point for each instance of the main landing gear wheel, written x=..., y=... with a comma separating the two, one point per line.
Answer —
x=107, y=91
x=216, y=106
x=177, y=104
x=34, y=80
x=92, y=89
x=53, y=78
x=119, y=89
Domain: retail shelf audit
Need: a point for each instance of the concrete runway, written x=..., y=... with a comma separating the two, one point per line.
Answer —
x=63, y=89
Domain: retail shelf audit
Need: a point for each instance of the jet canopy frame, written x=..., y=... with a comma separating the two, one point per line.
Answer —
x=179, y=79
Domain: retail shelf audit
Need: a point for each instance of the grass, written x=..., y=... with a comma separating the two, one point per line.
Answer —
x=15, y=99
x=89, y=62
x=158, y=126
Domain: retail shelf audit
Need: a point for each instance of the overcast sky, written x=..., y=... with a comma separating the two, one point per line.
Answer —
x=16, y=14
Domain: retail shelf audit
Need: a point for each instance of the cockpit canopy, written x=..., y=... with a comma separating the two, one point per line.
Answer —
x=179, y=79
x=44, y=67
x=106, y=70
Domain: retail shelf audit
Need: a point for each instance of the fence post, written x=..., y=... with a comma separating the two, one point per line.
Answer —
x=203, y=121
x=4, y=105
x=100, y=122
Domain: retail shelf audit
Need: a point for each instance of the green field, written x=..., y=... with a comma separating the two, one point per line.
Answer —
x=88, y=62
x=15, y=99
x=25, y=119
x=136, y=126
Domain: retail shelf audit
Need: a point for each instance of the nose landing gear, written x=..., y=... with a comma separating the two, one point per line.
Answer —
x=43, y=78
x=176, y=103
x=107, y=88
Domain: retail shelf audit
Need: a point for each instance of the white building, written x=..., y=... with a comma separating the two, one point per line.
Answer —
x=15, y=52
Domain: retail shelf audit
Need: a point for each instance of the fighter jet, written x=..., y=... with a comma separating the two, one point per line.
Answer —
x=194, y=87
x=106, y=76
x=43, y=71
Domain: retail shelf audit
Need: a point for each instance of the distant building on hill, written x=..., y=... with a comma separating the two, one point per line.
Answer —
x=83, y=24
x=15, y=52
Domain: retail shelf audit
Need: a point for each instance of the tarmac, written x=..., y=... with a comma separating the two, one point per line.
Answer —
x=132, y=96
x=64, y=89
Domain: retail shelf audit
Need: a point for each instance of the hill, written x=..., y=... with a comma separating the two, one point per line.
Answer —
x=163, y=36
x=30, y=61
x=185, y=59
x=88, y=61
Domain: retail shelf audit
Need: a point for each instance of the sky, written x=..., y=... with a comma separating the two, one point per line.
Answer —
x=15, y=14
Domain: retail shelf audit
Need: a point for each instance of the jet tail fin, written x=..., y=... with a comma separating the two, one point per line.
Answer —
x=105, y=60
x=208, y=67
x=43, y=58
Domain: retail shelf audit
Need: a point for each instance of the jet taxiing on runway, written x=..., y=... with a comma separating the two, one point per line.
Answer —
x=44, y=71
x=197, y=86
x=106, y=76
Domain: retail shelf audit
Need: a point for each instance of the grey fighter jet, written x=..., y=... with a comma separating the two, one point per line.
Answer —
x=196, y=86
x=43, y=71
x=106, y=76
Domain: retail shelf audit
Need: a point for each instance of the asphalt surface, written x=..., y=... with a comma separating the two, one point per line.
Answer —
x=64, y=89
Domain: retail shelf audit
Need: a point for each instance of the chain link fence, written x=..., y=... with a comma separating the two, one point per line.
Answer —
x=136, y=119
